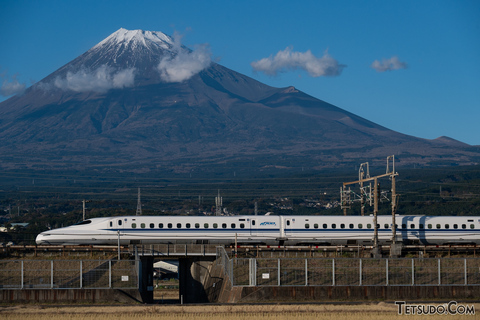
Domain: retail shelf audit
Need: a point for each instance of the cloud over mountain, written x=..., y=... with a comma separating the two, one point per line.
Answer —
x=388, y=64
x=185, y=63
x=99, y=80
x=288, y=59
x=10, y=86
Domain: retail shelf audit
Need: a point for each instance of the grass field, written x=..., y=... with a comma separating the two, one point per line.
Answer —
x=375, y=311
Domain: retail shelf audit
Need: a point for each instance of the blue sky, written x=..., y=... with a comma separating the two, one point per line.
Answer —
x=431, y=88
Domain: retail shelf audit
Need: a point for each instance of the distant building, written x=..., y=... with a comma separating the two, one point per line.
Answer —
x=16, y=225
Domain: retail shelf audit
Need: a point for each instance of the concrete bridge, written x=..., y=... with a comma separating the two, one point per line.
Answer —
x=208, y=274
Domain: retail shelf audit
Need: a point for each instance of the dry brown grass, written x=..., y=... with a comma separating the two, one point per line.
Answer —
x=378, y=311
x=160, y=294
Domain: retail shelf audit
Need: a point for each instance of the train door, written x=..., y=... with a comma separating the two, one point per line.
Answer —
x=287, y=226
x=254, y=227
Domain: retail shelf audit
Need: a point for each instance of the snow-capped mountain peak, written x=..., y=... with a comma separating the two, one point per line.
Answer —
x=133, y=38
x=123, y=50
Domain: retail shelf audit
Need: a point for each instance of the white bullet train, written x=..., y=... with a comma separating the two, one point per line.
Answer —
x=266, y=230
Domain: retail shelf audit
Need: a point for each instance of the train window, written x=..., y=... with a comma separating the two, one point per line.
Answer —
x=421, y=226
x=385, y=225
x=334, y=225
x=253, y=222
x=325, y=226
x=233, y=225
x=119, y=222
x=170, y=226
x=111, y=224
x=369, y=226
x=134, y=225
x=360, y=226
x=472, y=226
x=342, y=226
x=224, y=225
x=242, y=225
x=197, y=225
x=469, y=220
x=429, y=226
x=439, y=226
x=160, y=225
x=152, y=225
x=179, y=225
x=215, y=225
x=404, y=226
x=241, y=219
x=351, y=226
x=412, y=226
x=455, y=226
x=464, y=226
x=447, y=226
x=378, y=225
x=288, y=222
x=315, y=225
x=205, y=225
x=188, y=225
x=142, y=225
x=83, y=222
x=307, y=226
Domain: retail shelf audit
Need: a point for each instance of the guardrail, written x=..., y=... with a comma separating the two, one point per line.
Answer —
x=354, y=271
x=173, y=250
x=68, y=274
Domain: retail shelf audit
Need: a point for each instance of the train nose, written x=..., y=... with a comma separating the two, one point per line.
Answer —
x=41, y=239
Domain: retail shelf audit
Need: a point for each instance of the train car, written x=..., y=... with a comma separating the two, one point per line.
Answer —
x=265, y=230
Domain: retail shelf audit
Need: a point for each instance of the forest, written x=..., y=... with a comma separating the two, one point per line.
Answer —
x=52, y=200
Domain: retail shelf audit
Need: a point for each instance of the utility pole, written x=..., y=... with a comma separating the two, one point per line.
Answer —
x=395, y=249
x=218, y=204
x=139, y=204
x=376, y=251
x=84, y=201
x=361, y=176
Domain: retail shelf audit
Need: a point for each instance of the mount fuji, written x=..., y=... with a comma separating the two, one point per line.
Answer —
x=139, y=99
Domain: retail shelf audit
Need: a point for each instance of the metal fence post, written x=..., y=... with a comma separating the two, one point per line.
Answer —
x=230, y=269
x=279, y=274
x=22, y=280
x=413, y=272
x=252, y=272
x=333, y=272
x=465, y=269
x=81, y=274
x=110, y=273
x=439, y=274
x=386, y=272
x=306, y=272
x=360, y=267
x=51, y=274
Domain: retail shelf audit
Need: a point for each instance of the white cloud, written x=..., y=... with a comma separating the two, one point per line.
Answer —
x=292, y=60
x=99, y=80
x=11, y=86
x=185, y=63
x=388, y=64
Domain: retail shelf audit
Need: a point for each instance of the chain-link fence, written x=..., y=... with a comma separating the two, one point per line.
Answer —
x=68, y=274
x=355, y=272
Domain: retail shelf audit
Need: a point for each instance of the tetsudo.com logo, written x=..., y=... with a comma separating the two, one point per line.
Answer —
x=451, y=308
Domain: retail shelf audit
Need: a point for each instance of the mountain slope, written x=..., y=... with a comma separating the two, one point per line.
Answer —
x=111, y=106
